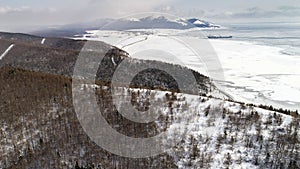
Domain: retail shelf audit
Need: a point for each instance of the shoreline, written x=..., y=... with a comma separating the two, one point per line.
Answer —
x=257, y=73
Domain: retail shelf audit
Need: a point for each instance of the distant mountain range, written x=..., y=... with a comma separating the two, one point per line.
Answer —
x=160, y=22
x=149, y=22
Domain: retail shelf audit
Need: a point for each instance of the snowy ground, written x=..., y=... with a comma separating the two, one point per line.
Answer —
x=252, y=73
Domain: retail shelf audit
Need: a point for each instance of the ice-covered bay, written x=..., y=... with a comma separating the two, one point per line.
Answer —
x=260, y=74
x=253, y=73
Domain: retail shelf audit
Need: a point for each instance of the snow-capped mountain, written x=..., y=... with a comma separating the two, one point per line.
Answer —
x=149, y=22
x=202, y=24
x=158, y=22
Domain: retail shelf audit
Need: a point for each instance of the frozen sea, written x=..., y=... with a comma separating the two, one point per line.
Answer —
x=260, y=64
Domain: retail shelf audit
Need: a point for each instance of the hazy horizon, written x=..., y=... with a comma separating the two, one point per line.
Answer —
x=17, y=15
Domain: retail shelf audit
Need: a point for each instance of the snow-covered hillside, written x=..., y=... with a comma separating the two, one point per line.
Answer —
x=208, y=132
x=222, y=134
x=213, y=133
x=39, y=127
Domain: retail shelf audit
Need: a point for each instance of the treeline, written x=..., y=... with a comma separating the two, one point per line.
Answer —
x=280, y=110
x=269, y=107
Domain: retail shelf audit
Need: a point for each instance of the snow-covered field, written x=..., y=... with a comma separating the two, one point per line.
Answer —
x=252, y=72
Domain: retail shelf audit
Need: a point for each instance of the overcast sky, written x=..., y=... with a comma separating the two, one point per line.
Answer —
x=17, y=15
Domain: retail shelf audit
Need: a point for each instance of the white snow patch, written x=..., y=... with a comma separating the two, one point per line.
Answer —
x=7, y=50
x=198, y=22
x=133, y=19
x=113, y=61
x=43, y=41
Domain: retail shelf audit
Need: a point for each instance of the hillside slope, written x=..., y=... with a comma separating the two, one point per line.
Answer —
x=58, y=56
x=39, y=126
x=39, y=129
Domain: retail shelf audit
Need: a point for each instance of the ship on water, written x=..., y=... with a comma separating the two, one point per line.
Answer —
x=218, y=37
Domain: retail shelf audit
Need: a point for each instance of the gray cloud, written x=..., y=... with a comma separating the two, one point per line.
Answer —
x=35, y=16
x=7, y=9
x=117, y=8
x=27, y=18
x=66, y=12
x=256, y=12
